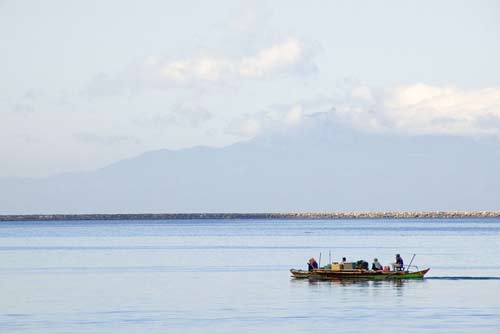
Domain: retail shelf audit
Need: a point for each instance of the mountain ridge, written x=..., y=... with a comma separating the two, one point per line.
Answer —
x=314, y=171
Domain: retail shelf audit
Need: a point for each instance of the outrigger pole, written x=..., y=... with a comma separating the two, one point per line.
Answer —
x=411, y=262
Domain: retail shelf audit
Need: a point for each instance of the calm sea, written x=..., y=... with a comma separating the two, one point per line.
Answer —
x=231, y=276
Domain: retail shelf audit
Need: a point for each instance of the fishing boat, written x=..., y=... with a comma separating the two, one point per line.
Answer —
x=329, y=274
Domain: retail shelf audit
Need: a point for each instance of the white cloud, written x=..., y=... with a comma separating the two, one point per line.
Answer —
x=362, y=93
x=294, y=116
x=422, y=109
x=248, y=128
x=283, y=56
x=277, y=120
x=417, y=109
x=207, y=71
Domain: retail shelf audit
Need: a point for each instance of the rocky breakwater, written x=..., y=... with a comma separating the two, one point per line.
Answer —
x=299, y=215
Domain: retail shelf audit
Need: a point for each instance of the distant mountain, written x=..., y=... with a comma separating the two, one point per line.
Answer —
x=313, y=169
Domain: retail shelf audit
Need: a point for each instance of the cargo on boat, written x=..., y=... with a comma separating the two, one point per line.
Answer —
x=329, y=274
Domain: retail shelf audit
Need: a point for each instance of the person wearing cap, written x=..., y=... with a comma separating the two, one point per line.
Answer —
x=399, y=264
x=312, y=264
x=376, y=265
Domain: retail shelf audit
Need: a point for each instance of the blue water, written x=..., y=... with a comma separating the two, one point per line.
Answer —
x=231, y=276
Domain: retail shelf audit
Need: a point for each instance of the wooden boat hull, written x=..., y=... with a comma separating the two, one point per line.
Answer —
x=328, y=274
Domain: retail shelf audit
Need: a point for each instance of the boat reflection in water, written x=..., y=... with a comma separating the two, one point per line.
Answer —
x=360, y=287
x=355, y=282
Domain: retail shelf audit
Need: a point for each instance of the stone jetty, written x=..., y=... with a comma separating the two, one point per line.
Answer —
x=298, y=215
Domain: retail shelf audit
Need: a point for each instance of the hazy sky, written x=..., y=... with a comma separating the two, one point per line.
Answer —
x=85, y=83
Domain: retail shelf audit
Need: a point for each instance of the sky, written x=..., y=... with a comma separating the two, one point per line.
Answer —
x=87, y=83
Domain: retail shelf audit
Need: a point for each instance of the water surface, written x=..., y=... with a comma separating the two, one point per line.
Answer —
x=231, y=276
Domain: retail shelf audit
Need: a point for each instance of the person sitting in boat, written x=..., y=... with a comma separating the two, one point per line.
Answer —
x=312, y=264
x=399, y=264
x=344, y=260
x=376, y=265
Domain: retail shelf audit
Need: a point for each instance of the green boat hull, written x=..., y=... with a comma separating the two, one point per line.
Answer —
x=327, y=274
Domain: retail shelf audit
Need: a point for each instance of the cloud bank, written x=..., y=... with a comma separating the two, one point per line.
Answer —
x=288, y=56
x=421, y=109
x=417, y=109
x=283, y=56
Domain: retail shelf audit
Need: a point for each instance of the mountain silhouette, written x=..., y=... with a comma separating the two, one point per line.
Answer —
x=320, y=168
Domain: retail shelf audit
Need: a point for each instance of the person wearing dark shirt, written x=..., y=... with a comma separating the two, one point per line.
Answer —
x=399, y=264
x=312, y=264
